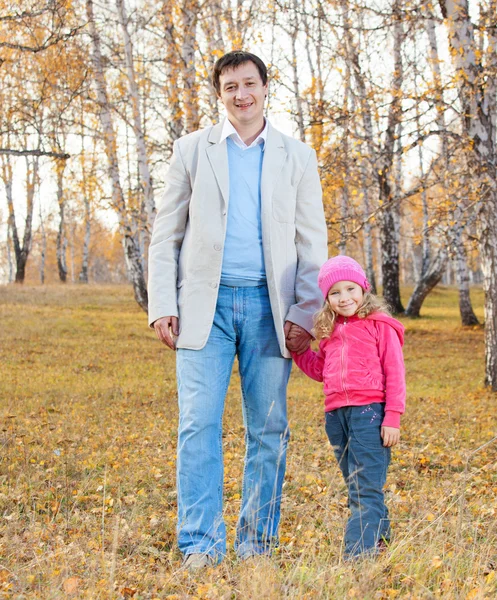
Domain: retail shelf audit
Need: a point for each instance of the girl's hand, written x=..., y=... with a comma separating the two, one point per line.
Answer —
x=390, y=436
x=297, y=339
x=294, y=332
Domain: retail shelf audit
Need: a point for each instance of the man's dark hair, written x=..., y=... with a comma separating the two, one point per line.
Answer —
x=232, y=60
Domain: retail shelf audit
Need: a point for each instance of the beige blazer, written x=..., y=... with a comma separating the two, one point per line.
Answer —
x=186, y=250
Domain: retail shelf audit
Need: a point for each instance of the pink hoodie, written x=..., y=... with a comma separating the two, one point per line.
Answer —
x=361, y=362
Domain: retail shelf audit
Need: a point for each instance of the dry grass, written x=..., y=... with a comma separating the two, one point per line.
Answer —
x=87, y=493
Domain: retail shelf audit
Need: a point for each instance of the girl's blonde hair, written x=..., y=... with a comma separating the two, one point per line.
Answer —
x=324, y=319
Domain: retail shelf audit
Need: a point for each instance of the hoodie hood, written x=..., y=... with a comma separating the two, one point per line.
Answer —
x=397, y=325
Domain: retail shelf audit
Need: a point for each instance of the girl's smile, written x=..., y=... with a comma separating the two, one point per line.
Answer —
x=345, y=298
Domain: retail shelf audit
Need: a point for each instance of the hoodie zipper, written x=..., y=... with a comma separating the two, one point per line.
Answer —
x=342, y=366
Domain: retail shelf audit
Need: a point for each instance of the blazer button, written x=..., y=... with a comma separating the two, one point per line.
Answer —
x=214, y=285
x=217, y=247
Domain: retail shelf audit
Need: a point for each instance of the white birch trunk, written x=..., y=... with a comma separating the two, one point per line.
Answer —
x=43, y=248
x=71, y=253
x=175, y=122
x=479, y=103
x=10, y=262
x=390, y=215
x=426, y=239
x=85, y=259
x=368, y=229
x=468, y=316
x=432, y=266
x=192, y=116
x=294, y=32
x=382, y=155
x=211, y=26
x=21, y=249
x=344, y=200
x=141, y=151
x=131, y=248
x=61, y=233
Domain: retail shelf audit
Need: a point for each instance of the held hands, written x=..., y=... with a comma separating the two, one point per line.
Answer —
x=167, y=329
x=297, y=338
x=390, y=436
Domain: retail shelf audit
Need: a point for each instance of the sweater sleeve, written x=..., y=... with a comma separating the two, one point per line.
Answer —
x=311, y=363
x=392, y=360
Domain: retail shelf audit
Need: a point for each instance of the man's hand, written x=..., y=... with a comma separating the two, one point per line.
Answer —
x=390, y=436
x=297, y=338
x=166, y=328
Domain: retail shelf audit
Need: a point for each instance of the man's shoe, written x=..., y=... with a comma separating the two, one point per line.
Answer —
x=197, y=561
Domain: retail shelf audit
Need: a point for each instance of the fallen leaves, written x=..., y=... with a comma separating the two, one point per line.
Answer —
x=71, y=585
x=82, y=451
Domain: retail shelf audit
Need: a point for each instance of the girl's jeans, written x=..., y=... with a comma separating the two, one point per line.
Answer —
x=354, y=432
x=243, y=327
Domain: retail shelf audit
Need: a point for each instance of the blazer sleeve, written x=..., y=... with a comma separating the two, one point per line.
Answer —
x=311, y=241
x=167, y=237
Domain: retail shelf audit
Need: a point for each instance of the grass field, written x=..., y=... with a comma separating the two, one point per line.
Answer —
x=87, y=490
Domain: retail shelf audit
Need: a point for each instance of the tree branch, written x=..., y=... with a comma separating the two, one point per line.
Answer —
x=13, y=152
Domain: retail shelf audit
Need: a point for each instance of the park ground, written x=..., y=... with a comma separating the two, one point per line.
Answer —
x=87, y=487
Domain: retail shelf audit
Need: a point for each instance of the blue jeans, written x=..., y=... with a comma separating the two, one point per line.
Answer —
x=243, y=327
x=355, y=434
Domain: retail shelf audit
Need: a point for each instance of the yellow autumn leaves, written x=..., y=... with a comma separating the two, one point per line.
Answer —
x=87, y=474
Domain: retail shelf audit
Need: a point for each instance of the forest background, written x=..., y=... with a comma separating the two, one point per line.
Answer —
x=397, y=98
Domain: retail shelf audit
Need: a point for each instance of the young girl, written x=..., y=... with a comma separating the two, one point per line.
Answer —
x=361, y=366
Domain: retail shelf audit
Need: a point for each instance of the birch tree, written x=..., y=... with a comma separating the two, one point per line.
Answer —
x=127, y=227
x=476, y=76
x=61, y=233
x=381, y=152
x=174, y=125
x=141, y=151
x=433, y=259
x=22, y=247
x=43, y=245
x=190, y=10
x=390, y=213
x=455, y=229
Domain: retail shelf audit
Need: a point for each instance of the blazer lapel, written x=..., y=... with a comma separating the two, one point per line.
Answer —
x=218, y=158
x=274, y=159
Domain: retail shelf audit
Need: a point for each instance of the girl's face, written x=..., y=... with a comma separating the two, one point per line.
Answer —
x=345, y=298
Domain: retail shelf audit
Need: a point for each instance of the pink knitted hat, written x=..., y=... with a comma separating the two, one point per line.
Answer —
x=341, y=268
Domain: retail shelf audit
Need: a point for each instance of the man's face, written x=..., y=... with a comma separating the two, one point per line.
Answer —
x=243, y=94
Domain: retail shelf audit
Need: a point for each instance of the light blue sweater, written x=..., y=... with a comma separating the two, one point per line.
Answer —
x=243, y=260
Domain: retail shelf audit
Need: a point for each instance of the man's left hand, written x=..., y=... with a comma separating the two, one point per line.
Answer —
x=299, y=340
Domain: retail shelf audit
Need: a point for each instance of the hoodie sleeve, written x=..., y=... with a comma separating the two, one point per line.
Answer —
x=392, y=360
x=311, y=363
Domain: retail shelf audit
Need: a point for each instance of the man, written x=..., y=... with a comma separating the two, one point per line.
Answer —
x=234, y=257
